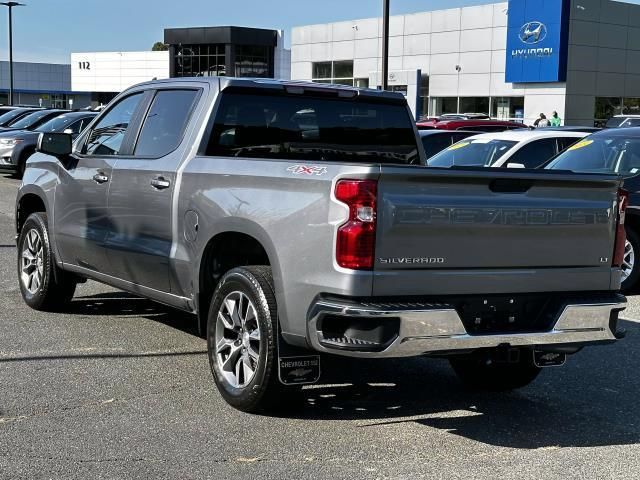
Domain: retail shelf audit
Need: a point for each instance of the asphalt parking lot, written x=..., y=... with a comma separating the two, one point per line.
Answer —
x=120, y=388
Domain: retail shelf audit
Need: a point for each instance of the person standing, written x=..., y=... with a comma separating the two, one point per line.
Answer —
x=541, y=121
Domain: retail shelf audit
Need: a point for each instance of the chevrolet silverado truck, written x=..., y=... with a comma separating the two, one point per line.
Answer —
x=296, y=221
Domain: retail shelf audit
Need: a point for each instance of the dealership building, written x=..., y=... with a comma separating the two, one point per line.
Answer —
x=192, y=52
x=515, y=59
x=46, y=84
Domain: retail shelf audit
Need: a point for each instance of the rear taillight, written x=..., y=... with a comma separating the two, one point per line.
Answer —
x=356, y=241
x=621, y=236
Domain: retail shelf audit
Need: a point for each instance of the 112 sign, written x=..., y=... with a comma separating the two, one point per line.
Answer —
x=84, y=65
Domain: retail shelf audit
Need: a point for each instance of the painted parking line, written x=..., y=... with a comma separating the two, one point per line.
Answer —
x=635, y=320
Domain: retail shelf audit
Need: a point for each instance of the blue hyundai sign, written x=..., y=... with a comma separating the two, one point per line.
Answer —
x=537, y=41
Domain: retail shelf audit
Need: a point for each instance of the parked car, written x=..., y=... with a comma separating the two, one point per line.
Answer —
x=577, y=128
x=6, y=108
x=32, y=119
x=14, y=114
x=290, y=239
x=622, y=121
x=613, y=151
x=471, y=125
x=18, y=145
x=434, y=141
x=516, y=148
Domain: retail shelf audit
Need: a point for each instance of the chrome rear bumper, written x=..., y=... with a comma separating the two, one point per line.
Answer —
x=429, y=328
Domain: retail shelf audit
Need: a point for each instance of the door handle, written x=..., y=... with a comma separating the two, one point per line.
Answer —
x=100, y=178
x=160, y=183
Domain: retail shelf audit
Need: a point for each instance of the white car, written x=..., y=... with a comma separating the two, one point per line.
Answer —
x=512, y=148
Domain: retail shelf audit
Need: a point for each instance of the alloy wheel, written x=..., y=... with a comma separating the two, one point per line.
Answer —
x=32, y=271
x=628, y=260
x=237, y=339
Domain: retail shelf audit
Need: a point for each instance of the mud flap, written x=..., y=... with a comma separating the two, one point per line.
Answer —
x=296, y=366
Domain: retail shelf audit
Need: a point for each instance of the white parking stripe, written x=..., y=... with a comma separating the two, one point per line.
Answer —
x=636, y=320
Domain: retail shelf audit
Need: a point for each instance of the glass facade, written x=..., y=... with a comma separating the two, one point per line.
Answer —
x=607, y=107
x=507, y=108
x=335, y=72
x=502, y=108
x=474, y=105
x=199, y=61
x=252, y=61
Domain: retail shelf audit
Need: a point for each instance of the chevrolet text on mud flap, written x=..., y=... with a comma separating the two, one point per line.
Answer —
x=376, y=257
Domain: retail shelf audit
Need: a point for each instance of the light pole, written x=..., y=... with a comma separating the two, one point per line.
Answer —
x=11, y=5
x=385, y=45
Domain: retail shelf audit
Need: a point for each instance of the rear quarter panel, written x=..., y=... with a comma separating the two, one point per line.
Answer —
x=293, y=215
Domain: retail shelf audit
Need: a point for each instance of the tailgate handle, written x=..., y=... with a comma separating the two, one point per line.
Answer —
x=506, y=185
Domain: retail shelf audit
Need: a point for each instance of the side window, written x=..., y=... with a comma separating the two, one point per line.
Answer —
x=165, y=122
x=535, y=153
x=76, y=127
x=107, y=135
x=566, y=142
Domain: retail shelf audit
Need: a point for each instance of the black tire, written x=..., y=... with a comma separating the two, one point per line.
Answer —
x=632, y=279
x=56, y=287
x=264, y=389
x=478, y=372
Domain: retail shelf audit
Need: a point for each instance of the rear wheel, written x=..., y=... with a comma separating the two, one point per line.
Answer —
x=630, y=270
x=242, y=333
x=42, y=284
x=480, y=372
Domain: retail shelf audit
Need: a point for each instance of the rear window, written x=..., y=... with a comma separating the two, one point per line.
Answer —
x=305, y=127
x=472, y=152
x=614, y=122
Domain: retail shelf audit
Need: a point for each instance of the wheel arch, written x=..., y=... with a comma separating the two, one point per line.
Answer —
x=235, y=246
x=30, y=200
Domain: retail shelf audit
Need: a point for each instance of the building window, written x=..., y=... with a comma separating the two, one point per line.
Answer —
x=605, y=108
x=252, y=61
x=507, y=108
x=474, y=105
x=333, y=72
x=200, y=61
x=361, y=83
x=440, y=105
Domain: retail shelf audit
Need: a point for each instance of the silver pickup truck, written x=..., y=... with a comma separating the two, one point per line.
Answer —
x=295, y=219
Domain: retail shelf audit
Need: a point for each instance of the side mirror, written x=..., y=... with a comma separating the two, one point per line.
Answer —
x=55, y=144
x=68, y=131
x=515, y=165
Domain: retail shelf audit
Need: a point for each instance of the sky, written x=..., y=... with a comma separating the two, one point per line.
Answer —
x=49, y=30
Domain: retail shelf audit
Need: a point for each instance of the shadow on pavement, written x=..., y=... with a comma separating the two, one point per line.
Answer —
x=126, y=304
x=592, y=401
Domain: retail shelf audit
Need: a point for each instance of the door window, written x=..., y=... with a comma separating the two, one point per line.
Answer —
x=165, y=123
x=107, y=135
x=535, y=153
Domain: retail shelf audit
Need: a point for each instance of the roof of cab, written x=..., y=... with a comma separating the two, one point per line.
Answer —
x=270, y=83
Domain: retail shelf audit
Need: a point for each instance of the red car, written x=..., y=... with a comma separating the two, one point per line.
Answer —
x=470, y=125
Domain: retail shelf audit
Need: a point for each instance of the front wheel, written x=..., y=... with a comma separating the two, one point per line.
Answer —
x=481, y=372
x=242, y=333
x=42, y=284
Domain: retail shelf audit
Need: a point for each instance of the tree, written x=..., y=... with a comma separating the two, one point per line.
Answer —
x=159, y=47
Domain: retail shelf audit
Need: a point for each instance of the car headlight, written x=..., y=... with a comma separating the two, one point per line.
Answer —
x=10, y=142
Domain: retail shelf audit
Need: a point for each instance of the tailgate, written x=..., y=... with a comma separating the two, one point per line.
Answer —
x=470, y=221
